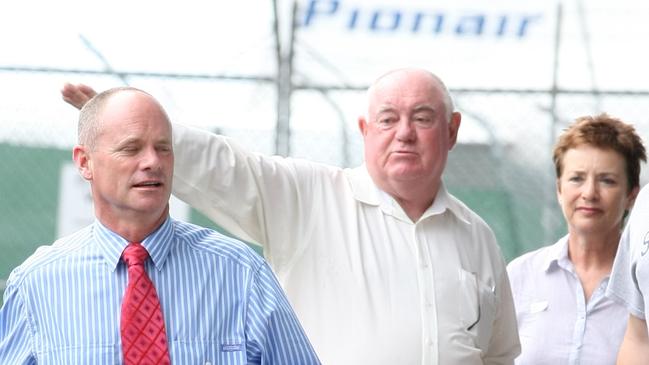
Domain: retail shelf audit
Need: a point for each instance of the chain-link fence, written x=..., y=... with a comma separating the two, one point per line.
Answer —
x=501, y=167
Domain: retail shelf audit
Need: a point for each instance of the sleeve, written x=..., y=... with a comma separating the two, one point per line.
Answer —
x=504, y=345
x=273, y=332
x=622, y=285
x=257, y=198
x=15, y=333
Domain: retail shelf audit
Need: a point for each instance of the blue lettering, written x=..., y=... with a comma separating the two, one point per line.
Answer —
x=470, y=24
x=525, y=22
x=352, y=19
x=337, y=13
x=438, y=22
x=314, y=9
x=502, y=26
x=375, y=24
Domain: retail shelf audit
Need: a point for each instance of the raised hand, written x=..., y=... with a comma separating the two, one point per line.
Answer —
x=77, y=95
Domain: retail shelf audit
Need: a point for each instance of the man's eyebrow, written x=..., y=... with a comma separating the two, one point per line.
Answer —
x=424, y=108
x=164, y=141
x=127, y=141
x=386, y=108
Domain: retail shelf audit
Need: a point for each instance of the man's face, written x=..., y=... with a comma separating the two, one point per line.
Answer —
x=408, y=133
x=131, y=164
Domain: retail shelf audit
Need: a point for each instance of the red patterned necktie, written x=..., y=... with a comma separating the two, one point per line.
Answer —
x=142, y=327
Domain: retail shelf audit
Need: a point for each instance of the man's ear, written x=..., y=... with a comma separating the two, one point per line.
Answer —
x=362, y=125
x=453, y=128
x=81, y=159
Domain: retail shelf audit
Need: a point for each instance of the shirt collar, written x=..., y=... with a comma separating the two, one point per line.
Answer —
x=445, y=201
x=158, y=243
x=557, y=256
x=365, y=190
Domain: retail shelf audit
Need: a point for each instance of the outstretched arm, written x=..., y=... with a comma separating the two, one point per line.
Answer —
x=77, y=95
x=238, y=190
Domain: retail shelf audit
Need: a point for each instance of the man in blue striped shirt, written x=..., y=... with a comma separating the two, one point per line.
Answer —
x=220, y=301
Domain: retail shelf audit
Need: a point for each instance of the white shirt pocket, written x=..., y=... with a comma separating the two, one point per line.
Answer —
x=477, y=308
x=527, y=315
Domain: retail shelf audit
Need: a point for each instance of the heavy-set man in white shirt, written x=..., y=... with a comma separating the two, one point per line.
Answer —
x=380, y=262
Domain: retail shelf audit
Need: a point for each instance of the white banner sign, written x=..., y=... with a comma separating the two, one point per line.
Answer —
x=468, y=43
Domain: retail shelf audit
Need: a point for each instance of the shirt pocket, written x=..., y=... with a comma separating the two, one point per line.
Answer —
x=83, y=354
x=528, y=316
x=477, y=308
x=225, y=351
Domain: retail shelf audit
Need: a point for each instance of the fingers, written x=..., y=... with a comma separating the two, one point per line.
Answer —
x=87, y=91
x=77, y=95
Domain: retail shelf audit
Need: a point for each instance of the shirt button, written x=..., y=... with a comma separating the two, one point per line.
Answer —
x=430, y=342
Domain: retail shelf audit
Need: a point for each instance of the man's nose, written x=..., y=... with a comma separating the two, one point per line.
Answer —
x=405, y=130
x=150, y=159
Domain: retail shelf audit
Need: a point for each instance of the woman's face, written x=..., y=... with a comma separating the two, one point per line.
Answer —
x=593, y=190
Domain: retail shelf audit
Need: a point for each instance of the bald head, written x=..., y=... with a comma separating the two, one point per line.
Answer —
x=403, y=78
x=90, y=118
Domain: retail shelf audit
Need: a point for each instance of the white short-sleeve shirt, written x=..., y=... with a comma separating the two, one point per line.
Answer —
x=629, y=282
